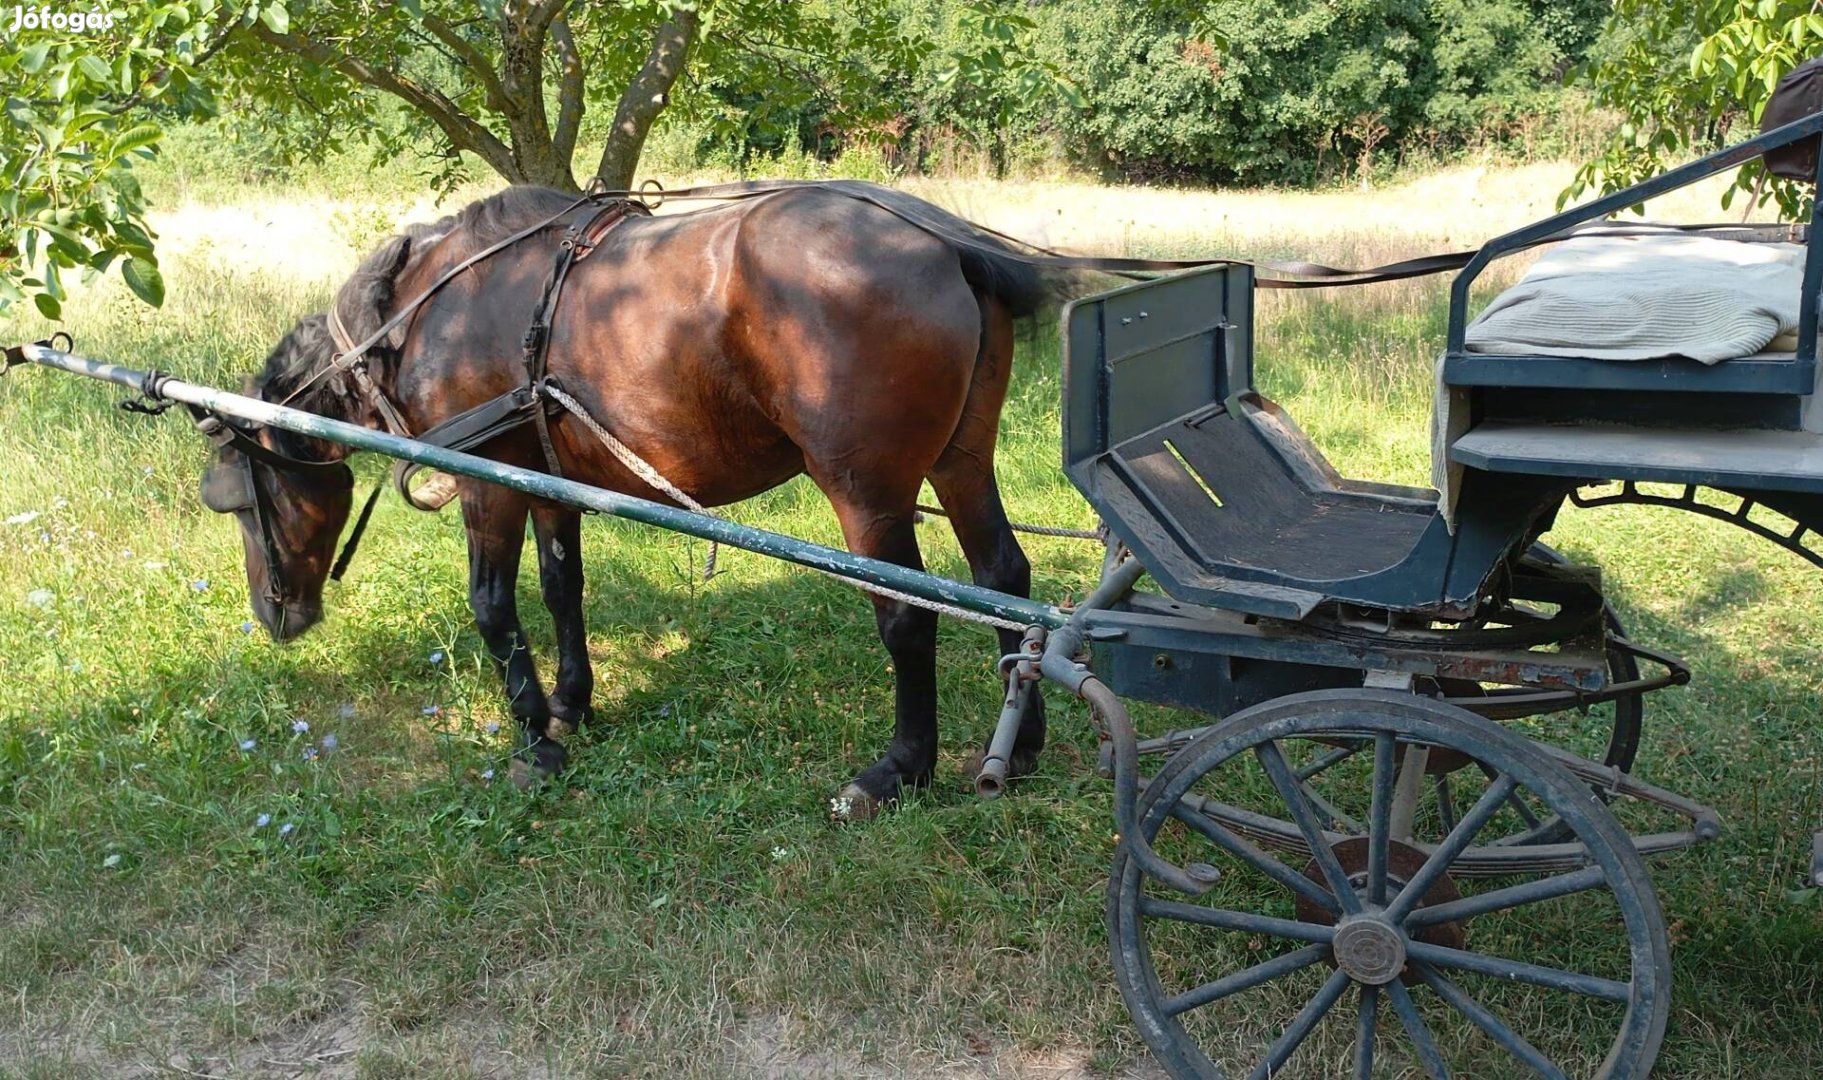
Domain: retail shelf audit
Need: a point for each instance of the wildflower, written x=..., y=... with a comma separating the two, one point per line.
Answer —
x=138, y=765
x=126, y=553
x=285, y=829
x=431, y=710
x=110, y=862
x=487, y=774
x=249, y=744
x=841, y=806
x=780, y=854
x=309, y=753
x=436, y=657
x=76, y=667
x=300, y=726
x=200, y=585
x=40, y=597
x=330, y=742
x=493, y=727
x=262, y=821
x=146, y=469
x=345, y=710
x=247, y=628
x=23, y=519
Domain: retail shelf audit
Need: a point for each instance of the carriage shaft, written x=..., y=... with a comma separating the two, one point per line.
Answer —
x=845, y=564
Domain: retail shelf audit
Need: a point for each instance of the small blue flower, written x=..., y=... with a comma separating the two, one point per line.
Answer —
x=249, y=744
x=285, y=829
x=246, y=628
x=431, y=710
x=262, y=821
x=330, y=742
x=665, y=709
x=345, y=710
x=309, y=753
x=300, y=726
x=200, y=585
x=436, y=657
x=487, y=774
x=493, y=727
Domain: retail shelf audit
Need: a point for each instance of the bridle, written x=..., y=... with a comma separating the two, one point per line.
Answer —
x=247, y=497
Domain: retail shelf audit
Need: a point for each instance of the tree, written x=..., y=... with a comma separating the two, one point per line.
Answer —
x=1687, y=77
x=511, y=82
x=78, y=108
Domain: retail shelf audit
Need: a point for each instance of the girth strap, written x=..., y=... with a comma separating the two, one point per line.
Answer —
x=471, y=428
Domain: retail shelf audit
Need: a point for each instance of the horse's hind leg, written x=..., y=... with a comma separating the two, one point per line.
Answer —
x=963, y=479
x=995, y=561
x=910, y=636
x=495, y=520
x=559, y=534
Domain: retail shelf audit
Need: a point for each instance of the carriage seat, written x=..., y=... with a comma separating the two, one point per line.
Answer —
x=1653, y=309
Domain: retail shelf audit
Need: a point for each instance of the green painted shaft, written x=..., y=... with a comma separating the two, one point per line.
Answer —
x=776, y=545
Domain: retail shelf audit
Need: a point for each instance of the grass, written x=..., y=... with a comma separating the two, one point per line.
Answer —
x=682, y=907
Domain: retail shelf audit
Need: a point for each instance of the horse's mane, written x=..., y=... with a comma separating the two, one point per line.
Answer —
x=365, y=300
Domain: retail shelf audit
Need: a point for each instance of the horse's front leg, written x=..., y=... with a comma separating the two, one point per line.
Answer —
x=559, y=533
x=495, y=519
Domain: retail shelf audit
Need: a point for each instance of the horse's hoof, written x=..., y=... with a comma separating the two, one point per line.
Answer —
x=436, y=492
x=853, y=804
x=535, y=764
x=1022, y=764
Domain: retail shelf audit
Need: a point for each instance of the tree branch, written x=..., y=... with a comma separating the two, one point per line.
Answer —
x=473, y=59
x=645, y=97
x=461, y=129
x=571, y=78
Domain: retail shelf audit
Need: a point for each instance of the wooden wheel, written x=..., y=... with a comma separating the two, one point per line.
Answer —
x=1377, y=922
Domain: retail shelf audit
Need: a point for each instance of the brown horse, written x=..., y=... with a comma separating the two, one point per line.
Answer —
x=732, y=348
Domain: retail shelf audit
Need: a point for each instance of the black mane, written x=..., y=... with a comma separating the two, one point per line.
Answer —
x=365, y=300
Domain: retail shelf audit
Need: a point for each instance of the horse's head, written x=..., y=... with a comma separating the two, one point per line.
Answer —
x=289, y=521
x=291, y=495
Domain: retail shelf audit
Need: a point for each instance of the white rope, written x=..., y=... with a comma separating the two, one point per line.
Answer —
x=642, y=469
x=637, y=465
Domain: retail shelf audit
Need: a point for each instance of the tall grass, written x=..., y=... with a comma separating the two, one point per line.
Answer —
x=682, y=907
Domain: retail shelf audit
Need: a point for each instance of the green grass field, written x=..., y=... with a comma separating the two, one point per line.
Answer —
x=682, y=906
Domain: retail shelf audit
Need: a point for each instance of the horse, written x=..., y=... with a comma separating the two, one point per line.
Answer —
x=732, y=348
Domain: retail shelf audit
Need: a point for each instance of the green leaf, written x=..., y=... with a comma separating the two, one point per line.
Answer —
x=94, y=68
x=276, y=18
x=144, y=279
x=31, y=58
x=134, y=138
x=48, y=306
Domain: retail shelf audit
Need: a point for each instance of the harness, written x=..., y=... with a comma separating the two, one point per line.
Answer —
x=529, y=403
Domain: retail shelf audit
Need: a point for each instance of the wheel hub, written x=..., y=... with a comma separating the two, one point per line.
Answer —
x=1366, y=950
x=1370, y=950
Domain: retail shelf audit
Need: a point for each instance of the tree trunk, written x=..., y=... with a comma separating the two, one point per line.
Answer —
x=645, y=97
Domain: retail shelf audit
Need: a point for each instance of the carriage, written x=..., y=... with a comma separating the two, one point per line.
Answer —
x=1381, y=663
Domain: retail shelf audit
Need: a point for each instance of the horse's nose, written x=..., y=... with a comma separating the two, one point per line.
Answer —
x=287, y=623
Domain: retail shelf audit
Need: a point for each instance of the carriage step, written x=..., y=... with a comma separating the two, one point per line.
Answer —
x=1738, y=459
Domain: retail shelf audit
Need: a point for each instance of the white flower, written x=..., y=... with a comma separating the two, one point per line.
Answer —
x=436, y=657
x=285, y=829
x=262, y=821
x=248, y=744
x=110, y=862
x=40, y=598
x=23, y=519
x=487, y=774
x=780, y=854
x=841, y=806
x=300, y=726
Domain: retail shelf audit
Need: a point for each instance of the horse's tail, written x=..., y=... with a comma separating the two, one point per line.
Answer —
x=994, y=270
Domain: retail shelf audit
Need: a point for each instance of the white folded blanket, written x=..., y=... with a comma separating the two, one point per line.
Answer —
x=1646, y=297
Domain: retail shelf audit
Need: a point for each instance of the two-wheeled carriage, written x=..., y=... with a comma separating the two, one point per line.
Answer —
x=1381, y=822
